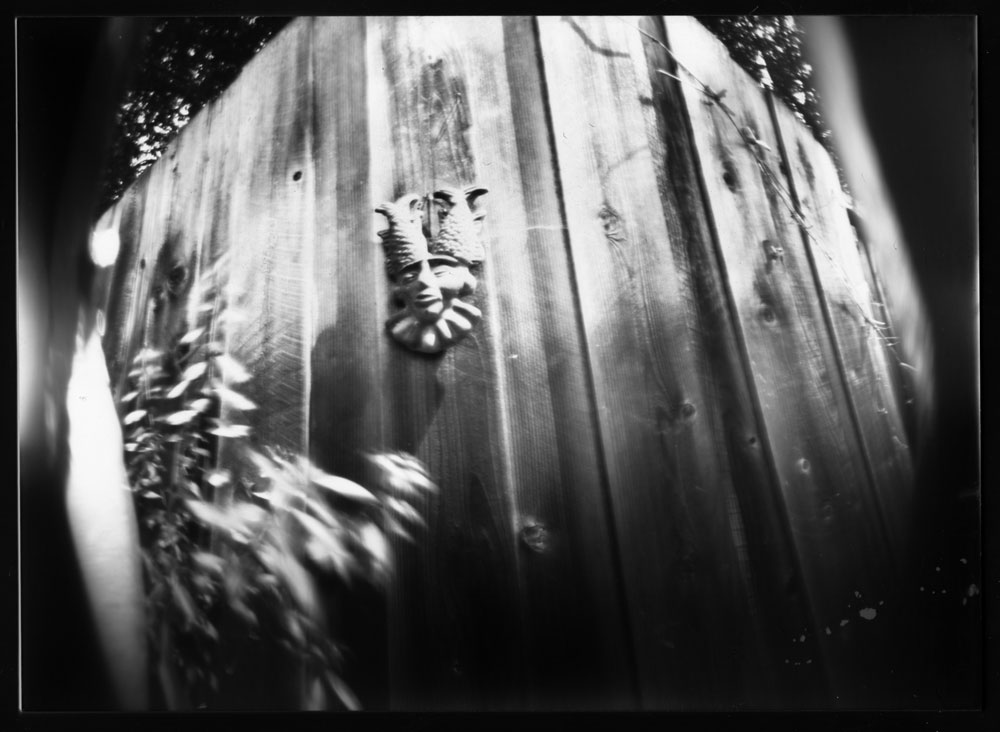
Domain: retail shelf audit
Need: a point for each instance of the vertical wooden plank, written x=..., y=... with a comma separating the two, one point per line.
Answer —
x=347, y=335
x=568, y=579
x=258, y=252
x=778, y=605
x=152, y=233
x=816, y=451
x=841, y=269
x=349, y=279
x=270, y=235
x=176, y=264
x=124, y=280
x=454, y=616
x=660, y=413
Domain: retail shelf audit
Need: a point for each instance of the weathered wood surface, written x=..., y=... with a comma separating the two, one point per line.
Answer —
x=859, y=327
x=451, y=116
x=454, y=620
x=270, y=237
x=769, y=566
x=669, y=463
x=346, y=334
x=817, y=453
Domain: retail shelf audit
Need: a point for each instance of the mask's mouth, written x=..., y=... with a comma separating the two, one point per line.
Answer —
x=426, y=299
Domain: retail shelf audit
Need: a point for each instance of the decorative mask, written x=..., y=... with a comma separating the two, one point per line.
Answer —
x=431, y=279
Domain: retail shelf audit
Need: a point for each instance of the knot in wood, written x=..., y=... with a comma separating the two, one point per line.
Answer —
x=611, y=220
x=535, y=536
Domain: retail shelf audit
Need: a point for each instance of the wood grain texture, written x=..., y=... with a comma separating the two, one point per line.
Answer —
x=658, y=391
x=842, y=267
x=347, y=338
x=570, y=585
x=151, y=235
x=348, y=277
x=177, y=262
x=270, y=235
x=482, y=101
x=769, y=567
x=454, y=616
x=816, y=451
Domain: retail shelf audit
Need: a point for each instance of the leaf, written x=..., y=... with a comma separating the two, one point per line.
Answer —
x=299, y=583
x=316, y=697
x=129, y=397
x=394, y=527
x=250, y=514
x=243, y=611
x=210, y=515
x=405, y=511
x=342, y=486
x=178, y=390
x=230, y=430
x=135, y=416
x=295, y=628
x=183, y=600
x=322, y=512
x=208, y=561
x=346, y=696
x=401, y=473
x=264, y=465
x=232, y=371
x=194, y=371
x=131, y=446
x=234, y=399
x=192, y=335
x=374, y=541
x=324, y=547
x=146, y=354
x=178, y=418
x=210, y=630
x=218, y=478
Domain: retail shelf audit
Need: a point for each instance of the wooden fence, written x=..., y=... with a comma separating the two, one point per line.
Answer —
x=672, y=467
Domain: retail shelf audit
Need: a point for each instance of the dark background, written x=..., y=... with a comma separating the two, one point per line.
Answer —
x=918, y=84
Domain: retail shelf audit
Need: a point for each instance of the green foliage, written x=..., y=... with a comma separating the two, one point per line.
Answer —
x=188, y=62
x=778, y=41
x=241, y=545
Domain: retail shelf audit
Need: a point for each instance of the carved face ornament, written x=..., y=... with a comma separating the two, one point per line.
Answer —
x=431, y=278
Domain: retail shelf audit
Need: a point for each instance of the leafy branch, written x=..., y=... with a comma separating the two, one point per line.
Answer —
x=243, y=545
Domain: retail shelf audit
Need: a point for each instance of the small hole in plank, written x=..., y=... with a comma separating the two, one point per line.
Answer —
x=142, y=264
x=297, y=175
x=729, y=176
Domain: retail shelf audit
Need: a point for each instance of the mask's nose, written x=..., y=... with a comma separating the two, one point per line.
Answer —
x=426, y=277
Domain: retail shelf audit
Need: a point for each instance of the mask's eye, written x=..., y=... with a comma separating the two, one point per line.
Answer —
x=407, y=277
x=442, y=271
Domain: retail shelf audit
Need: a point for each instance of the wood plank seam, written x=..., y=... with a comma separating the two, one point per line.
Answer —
x=620, y=588
x=828, y=320
x=747, y=370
